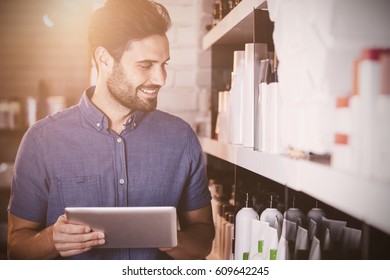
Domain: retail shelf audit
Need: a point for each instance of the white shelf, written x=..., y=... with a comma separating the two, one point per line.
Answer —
x=362, y=198
x=236, y=27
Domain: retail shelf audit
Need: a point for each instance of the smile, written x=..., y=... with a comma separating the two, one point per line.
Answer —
x=149, y=91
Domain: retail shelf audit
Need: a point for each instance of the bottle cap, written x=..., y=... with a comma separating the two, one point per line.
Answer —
x=371, y=54
x=341, y=139
x=342, y=102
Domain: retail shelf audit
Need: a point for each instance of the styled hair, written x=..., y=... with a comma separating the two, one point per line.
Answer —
x=119, y=22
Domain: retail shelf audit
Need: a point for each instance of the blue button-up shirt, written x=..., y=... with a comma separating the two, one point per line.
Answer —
x=73, y=159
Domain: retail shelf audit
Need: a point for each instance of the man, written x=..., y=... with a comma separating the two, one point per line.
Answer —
x=112, y=149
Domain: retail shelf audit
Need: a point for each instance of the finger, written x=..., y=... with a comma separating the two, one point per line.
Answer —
x=165, y=249
x=62, y=225
x=78, y=238
x=79, y=246
x=69, y=253
x=73, y=229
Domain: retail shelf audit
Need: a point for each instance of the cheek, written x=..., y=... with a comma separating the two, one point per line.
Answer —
x=137, y=77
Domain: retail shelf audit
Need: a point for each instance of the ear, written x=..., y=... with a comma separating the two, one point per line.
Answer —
x=103, y=58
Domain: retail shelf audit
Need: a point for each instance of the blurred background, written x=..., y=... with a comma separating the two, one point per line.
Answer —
x=45, y=66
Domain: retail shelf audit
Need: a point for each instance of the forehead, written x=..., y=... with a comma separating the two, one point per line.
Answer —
x=154, y=47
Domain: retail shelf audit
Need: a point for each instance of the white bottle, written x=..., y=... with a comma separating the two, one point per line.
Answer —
x=273, y=217
x=273, y=116
x=254, y=52
x=258, y=234
x=264, y=71
x=368, y=90
x=242, y=240
x=236, y=95
x=218, y=125
x=229, y=234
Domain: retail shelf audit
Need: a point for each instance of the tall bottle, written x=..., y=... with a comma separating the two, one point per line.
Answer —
x=242, y=241
x=228, y=240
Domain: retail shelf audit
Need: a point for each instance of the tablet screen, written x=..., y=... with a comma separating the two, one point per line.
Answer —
x=129, y=227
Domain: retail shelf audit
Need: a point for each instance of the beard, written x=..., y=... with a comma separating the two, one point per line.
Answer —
x=123, y=92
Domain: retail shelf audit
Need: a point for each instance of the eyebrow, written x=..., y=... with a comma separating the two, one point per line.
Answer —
x=152, y=61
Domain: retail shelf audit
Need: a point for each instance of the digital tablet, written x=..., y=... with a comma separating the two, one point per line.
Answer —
x=129, y=227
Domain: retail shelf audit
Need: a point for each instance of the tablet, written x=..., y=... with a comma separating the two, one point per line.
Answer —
x=129, y=227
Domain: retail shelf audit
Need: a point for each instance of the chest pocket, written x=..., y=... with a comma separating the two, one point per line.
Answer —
x=83, y=191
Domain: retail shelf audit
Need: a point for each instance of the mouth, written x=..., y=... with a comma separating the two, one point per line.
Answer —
x=149, y=92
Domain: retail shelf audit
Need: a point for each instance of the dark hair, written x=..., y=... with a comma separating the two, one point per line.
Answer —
x=119, y=22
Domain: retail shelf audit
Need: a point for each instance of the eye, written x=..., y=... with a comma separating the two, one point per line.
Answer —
x=145, y=65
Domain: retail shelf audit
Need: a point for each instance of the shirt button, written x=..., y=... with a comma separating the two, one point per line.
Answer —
x=98, y=124
x=121, y=181
x=119, y=140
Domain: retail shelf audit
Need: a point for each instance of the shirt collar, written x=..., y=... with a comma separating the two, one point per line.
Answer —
x=98, y=119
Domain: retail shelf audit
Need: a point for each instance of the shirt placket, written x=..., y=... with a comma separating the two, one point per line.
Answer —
x=121, y=173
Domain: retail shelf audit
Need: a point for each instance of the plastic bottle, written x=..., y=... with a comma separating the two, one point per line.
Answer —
x=226, y=210
x=262, y=104
x=272, y=216
x=273, y=133
x=314, y=219
x=243, y=231
x=294, y=214
x=316, y=214
x=229, y=234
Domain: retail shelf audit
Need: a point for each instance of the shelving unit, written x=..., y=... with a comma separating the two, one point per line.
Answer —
x=363, y=199
x=236, y=27
x=359, y=197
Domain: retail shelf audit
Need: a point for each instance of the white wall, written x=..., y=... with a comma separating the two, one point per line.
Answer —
x=189, y=70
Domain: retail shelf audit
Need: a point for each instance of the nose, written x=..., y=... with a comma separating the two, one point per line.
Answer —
x=159, y=75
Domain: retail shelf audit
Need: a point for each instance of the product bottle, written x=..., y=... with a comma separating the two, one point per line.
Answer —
x=216, y=194
x=381, y=152
x=294, y=214
x=216, y=12
x=254, y=53
x=262, y=104
x=218, y=125
x=341, y=149
x=316, y=214
x=314, y=218
x=229, y=234
x=258, y=235
x=236, y=95
x=363, y=111
x=273, y=116
x=219, y=230
x=243, y=231
x=226, y=210
x=273, y=216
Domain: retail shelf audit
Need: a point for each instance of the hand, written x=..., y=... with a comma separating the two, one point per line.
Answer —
x=72, y=239
x=166, y=249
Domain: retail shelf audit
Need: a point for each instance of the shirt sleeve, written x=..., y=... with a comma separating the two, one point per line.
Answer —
x=29, y=185
x=197, y=194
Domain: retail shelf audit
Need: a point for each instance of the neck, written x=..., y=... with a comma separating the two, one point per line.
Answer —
x=115, y=112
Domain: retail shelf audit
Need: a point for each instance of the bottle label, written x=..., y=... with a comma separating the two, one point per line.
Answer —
x=272, y=254
x=260, y=246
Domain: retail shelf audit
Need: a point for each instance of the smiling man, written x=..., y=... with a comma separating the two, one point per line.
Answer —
x=113, y=149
